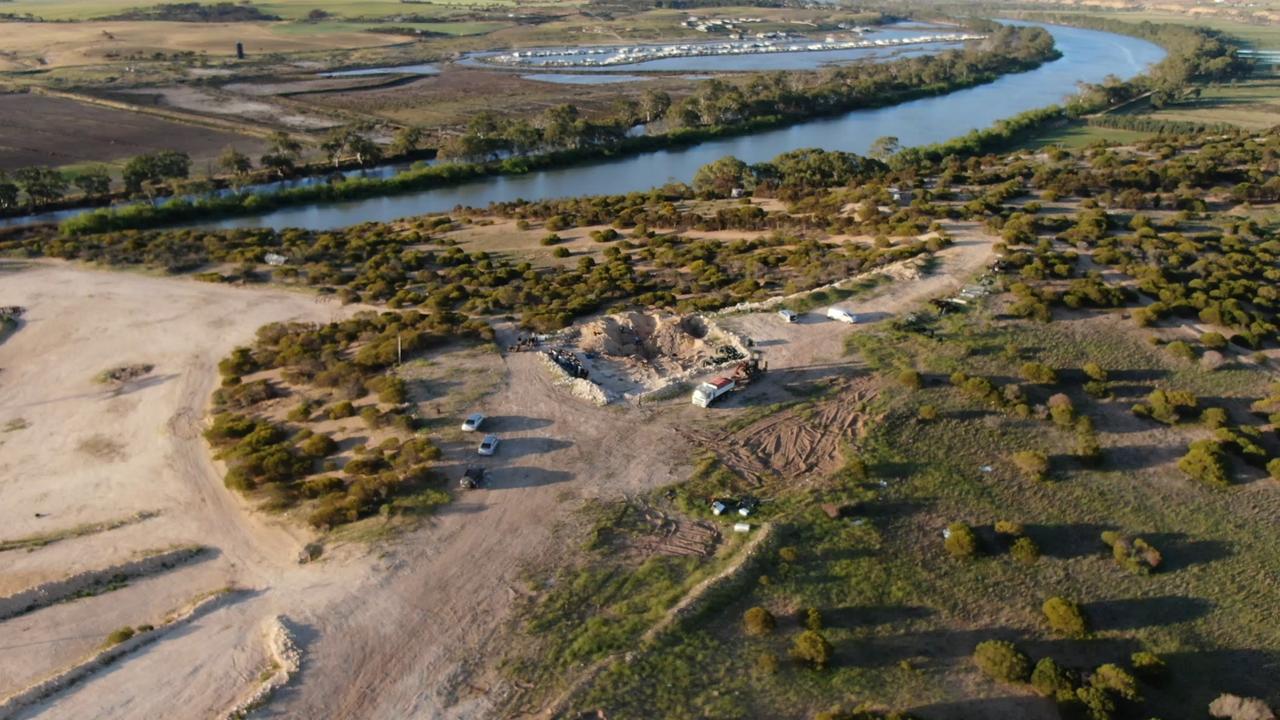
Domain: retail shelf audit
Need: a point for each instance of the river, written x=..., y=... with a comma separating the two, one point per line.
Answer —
x=1087, y=56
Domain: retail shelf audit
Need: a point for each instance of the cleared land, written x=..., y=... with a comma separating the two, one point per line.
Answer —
x=40, y=130
x=31, y=46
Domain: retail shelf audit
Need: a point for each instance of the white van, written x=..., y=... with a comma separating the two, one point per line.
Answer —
x=843, y=316
x=788, y=315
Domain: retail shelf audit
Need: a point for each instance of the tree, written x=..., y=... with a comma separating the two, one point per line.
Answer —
x=1065, y=617
x=1204, y=461
x=283, y=153
x=235, y=162
x=1002, y=661
x=758, y=621
x=654, y=104
x=812, y=648
x=406, y=140
x=882, y=148
x=8, y=193
x=721, y=177
x=93, y=182
x=42, y=185
x=148, y=172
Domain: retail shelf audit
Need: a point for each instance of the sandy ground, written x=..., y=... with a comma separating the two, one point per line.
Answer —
x=217, y=102
x=391, y=636
x=401, y=630
x=814, y=340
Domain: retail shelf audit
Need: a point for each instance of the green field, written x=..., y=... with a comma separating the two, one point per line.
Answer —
x=1262, y=37
x=1077, y=135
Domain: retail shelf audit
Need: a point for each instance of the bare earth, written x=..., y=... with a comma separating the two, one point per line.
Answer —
x=403, y=629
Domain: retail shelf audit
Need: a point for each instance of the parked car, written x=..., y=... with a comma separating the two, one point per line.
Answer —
x=472, y=478
x=789, y=315
x=840, y=315
x=489, y=445
x=473, y=422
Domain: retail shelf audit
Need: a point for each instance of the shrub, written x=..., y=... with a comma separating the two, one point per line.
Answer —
x=551, y=239
x=960, y=540
x=1116, y=680
x=1167, y=406
x=1033, y=464
x=341, y=409
x=1094, y=371
x=1179, y=349
x=1273, y=468
x=1065, y=617
x=758, y=621
x=927, y=413
x=1049, y=679
x=812, y=648
x=561, y=252
x=767, y=663
x=301, y=412
x=1213, y=340
x=371, y=417
x=392, y=390
x=324, y=485
x=318, y=446
x=910, y=379
x=1062, y=410
x=1098, y=705
x=1039, y=373
x=1214, y=418
x=119, y=635
x=1204, y=462
x=1097, y=389
x=812, y=619
x=1009, y=528
x=1025, y=551
x=1135, y=555
x=1002, y=661
x=1149, y=667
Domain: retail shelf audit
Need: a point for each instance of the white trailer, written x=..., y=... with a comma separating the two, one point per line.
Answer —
x=707, y=392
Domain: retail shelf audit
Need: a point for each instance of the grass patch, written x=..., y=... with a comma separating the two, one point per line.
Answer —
x=32, y=542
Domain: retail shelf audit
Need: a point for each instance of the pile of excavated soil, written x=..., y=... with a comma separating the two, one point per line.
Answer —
x=649, y=337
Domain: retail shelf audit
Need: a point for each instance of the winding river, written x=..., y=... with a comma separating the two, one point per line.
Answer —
x=1087, y=56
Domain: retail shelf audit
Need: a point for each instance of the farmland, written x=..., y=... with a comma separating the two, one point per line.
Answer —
x=39, y=130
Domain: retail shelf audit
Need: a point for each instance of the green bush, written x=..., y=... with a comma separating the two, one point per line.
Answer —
x=1039, y=373
x=812, y=619
x=318, y=446
x=812, y=648
x=1149, y=667
x=1049, y=679
x=1116, y=680
x=1000, y=660
x=1179, y=349
x=910, y=379
x=119, y=635
x=1204, y=461
x=1062, y=410
x=758, y=621
x=1095, y=372
x=341, y=409
x=1065, y=617
x=1214, y=417
x=1025, y=551
x=927, y=413
x=1273, y=468
x=561, y=252
x=1096, y=702
x=1213, y=340
x=960, y=540
x=1033, y=464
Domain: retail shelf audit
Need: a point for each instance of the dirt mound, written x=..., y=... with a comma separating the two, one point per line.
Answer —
x=636, y=352
x=649, y=337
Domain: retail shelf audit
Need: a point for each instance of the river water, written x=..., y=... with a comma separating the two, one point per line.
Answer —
x=1087, y=56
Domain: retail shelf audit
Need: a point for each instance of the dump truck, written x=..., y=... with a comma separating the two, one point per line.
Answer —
x=744, y=373
x=707, y=392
